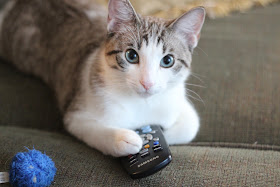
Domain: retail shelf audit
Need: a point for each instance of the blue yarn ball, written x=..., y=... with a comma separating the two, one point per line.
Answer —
x=32, y=169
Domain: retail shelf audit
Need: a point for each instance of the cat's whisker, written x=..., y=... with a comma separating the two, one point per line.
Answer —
x=197, y=85
x=202, y=51
x=196, y=95
x=198, y=98
x=188, y=84
x=195, y=52
x=192, y=74
x=189, y=100
x=195, y=98
x=198, y=74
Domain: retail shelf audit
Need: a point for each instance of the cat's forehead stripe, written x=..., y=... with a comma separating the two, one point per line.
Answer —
x=152, y=29
x=160, y=37
x=146, y=38
x=163, y=48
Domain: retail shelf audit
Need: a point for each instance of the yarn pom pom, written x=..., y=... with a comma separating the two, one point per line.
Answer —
x=32, y=169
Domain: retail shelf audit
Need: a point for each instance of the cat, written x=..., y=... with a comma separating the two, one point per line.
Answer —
x=112, y=71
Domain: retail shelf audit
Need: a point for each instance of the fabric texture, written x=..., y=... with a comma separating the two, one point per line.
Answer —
x=79, y=165
x=238, y=63
x=26, y=101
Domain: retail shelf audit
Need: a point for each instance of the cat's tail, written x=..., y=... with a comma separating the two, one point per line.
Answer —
x=4, y=10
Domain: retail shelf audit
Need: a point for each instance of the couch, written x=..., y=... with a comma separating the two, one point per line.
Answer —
x=237, y=77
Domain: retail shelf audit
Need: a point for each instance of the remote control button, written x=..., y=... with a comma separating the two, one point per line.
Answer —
x=155, y=146
x=146, y=127
x=156, y=142
x=145, y=142
x=147, y=146
x=143, y=151
x=156, y=149
x=143, y=135
x=133, y=161
x=149, y=137
x=146, y=130
x=145, y=154
x=131, y=157
x=156, y=139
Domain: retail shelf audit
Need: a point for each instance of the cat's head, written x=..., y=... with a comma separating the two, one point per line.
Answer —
x=150, y=55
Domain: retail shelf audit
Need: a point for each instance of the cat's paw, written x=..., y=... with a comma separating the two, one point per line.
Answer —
x=126, y=142
x=181, y=133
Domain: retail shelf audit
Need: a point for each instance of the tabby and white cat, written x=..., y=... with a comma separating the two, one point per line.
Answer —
x=108, y=77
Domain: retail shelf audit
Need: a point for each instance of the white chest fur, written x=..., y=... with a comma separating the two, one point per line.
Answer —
x=117, y=108
x=134, y=112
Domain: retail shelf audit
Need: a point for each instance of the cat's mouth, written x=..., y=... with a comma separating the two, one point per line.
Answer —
x=145, y=94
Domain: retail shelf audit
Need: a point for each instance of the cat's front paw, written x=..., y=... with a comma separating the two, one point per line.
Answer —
x=181, y=134
x=126, y=142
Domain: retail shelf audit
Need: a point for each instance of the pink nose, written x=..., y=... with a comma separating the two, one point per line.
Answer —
x=147, y=85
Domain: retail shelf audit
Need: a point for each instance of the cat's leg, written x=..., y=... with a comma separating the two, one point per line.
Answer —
x=107, y=139
x=185, y=128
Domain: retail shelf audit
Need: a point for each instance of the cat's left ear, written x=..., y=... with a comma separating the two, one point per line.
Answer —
x=189, y=25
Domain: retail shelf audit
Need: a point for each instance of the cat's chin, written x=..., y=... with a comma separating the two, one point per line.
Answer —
x=146, y=94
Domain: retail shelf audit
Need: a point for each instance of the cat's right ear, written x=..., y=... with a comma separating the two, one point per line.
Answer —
x=189, y=26
x=120, y=14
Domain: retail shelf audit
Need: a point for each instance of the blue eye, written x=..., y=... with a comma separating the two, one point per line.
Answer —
x=167, y=61
x=132, y=56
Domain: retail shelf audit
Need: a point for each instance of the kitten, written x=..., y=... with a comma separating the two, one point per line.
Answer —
x=109, y=77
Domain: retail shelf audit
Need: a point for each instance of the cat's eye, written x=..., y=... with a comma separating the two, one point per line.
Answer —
x=132, y=56
x=167, y=61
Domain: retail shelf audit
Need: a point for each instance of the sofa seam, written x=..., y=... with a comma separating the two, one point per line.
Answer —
x=263, y=147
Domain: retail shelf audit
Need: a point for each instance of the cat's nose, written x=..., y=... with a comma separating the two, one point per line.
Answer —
x=146, y=84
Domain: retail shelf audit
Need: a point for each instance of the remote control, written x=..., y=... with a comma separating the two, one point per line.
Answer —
x=153, y=156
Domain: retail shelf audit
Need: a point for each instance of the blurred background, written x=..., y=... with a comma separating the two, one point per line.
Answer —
x=174, y=8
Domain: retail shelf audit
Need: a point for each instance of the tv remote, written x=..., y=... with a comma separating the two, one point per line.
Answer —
x=153, y=156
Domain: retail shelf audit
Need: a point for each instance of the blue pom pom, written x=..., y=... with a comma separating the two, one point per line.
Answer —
x=32, y=169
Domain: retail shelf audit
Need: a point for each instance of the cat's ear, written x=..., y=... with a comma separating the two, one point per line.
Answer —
x=120, y=14
x=189, y=26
